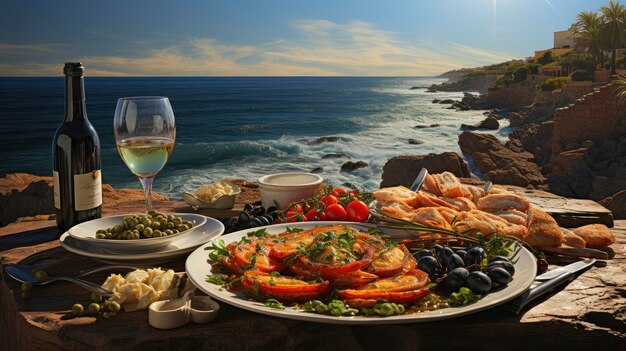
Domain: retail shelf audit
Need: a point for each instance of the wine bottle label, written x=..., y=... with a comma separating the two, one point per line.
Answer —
x=87, y=190
x=57, y=191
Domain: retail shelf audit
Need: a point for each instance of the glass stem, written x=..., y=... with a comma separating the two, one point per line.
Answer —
x=147, y=191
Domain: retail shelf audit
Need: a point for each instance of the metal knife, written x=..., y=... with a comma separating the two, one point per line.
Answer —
x=552, y=280
x=417, y=183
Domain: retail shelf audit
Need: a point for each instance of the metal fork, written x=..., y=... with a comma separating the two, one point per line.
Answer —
x=22, y=276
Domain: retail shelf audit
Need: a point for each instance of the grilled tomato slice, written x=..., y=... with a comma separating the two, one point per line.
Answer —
x=404, y=288
x=283, y=288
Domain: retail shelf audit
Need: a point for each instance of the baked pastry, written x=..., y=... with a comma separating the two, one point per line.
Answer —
x=595, y=235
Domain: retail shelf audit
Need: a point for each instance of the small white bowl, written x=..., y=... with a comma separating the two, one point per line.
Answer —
x=224, y=202
x=203, y=309
x=169, y=314
x=285, y=188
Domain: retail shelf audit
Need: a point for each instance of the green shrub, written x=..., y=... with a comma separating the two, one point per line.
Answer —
x=581, y=75
x=533, y=68
x=554, y=83
x=520, y=74
x=546, y=58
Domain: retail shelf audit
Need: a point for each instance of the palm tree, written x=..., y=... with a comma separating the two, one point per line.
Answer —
x=587, y=35
x=613, y=28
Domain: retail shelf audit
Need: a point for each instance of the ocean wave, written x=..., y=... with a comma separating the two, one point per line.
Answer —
x=207, y=153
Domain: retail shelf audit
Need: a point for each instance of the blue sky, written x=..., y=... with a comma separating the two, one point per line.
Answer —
x=266, y=38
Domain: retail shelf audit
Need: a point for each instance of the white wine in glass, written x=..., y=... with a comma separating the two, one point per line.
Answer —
x=145, y=132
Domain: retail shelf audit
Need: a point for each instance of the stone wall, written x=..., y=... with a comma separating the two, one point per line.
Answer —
x=594, y=116
x=588, y=151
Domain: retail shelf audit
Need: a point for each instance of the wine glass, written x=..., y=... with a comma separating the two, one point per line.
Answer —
x=144, y=133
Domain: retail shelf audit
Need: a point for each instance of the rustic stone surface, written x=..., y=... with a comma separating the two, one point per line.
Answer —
x=617, y=204
x=498, y=163
x=402, y=170
x=584, y=314
x=352, y=166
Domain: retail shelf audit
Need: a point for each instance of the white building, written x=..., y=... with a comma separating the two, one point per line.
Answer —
x=563, y=39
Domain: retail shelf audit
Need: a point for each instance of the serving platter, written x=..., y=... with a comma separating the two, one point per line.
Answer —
x=198, y=267
x=182, y=245
x=86, y=233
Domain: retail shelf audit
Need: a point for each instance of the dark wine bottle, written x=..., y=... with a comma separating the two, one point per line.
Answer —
x=76, y=152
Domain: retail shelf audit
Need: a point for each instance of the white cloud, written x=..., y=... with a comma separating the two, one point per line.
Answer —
x=321, y=47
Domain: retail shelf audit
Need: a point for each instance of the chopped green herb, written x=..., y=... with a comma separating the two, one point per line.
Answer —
x=218, y=250
x=217, y=279
x=294, y=230
x=258, y=233
x=275, y=304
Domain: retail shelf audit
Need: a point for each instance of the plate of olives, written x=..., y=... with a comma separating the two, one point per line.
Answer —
x=135, y=233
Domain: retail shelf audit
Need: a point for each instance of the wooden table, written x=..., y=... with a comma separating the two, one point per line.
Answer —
x=589, y=313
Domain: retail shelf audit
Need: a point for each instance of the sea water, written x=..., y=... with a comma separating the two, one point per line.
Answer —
x=244, y=127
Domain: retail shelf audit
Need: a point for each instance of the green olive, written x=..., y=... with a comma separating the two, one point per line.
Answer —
x=171, y=217
x=41, y=276
x=113, y=306
x=93, y=308
x=95, y=297
x=177, y=220
x=170, y=225
x=109, y=235
x=135, y=236
x=181, y=227
x=168, y=232
x=26, y=287
x=140, y=227
x=77, y=309
x=188, y=223
x=34, y=271
x=157, y=233
x=101, y=236
x=101, y=231
x=148, y=232
x=151, y=212
x=147, y=222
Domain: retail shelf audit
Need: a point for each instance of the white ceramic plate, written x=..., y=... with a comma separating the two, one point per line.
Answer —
x=210, y=230
x=86, y=232
x=198, y=268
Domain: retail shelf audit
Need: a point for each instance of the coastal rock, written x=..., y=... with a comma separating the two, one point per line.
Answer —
x=467, y=83
x=499, y=163
x=350, y=186
x=447, y=101
x=326, y=139
x=422, y=126
x=489, y=123
x=26, y=195
x=317, y=170
x=351, y=166
x=436, y=101
x=515, y=119
x=402, y=170
x=337, y=155
x=415, y=142
x=617, y=204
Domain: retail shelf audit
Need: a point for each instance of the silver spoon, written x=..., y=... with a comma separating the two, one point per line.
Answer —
x=23, y=277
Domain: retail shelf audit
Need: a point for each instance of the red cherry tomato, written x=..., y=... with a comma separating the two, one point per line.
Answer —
x=338, y=191
x=352, y=195
x=295, y=208
x=329, y=200
x=322, y=216
x=290, y=216
x=336, y=212
x=312, y=215
x=357, y=211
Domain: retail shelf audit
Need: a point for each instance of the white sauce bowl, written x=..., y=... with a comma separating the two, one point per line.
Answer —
x=285, y=188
